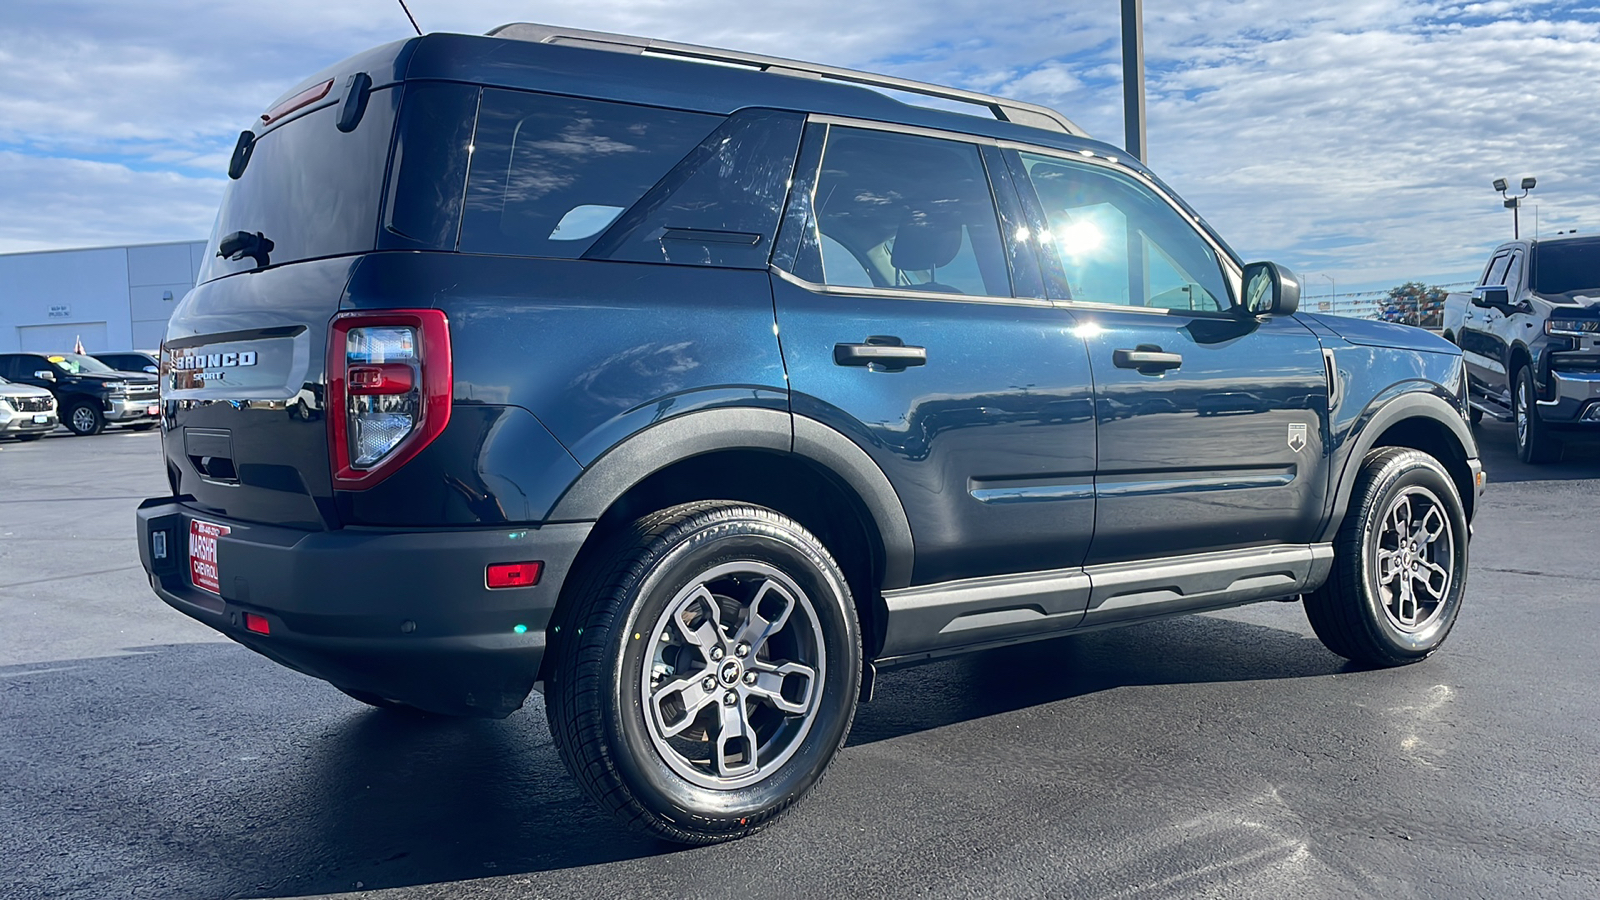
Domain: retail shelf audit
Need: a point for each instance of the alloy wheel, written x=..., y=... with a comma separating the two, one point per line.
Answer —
x=1414, y=558
x=733, y=680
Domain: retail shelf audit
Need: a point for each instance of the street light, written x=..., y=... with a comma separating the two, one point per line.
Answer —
x=1515, y=203
x=1133, y=78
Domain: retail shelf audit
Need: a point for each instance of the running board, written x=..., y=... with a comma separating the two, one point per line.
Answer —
x=1498, y=413
x=956, y=616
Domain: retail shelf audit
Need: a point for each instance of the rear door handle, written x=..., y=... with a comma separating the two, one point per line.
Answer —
x=887, y=353
x=1148, y=359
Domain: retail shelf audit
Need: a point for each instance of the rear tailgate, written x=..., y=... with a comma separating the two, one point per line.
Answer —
x=243, y=385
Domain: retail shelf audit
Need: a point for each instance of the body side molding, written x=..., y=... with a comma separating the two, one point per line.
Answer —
x=939, y=619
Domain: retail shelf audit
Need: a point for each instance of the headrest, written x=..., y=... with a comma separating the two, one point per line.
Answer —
x=926, y=240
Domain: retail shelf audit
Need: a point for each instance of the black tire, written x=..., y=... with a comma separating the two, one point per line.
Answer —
x=142, y=426
x=1535, y=444
x=1474, y=415
x=1352, y=613
x=84, y=418
x=605, y=673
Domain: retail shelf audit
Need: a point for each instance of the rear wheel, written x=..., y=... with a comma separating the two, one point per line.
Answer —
x=1399, y=566
x=707, y=672
x=85, y=418
x=1535, y=443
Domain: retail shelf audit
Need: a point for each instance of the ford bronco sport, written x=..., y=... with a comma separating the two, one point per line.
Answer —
x=694, y=395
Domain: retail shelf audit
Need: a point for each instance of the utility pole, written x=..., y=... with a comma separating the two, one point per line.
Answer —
x=1133, y=77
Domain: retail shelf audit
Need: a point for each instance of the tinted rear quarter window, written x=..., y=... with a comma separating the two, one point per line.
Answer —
x=1566, y=267
x=550, y=174
x=310, y=188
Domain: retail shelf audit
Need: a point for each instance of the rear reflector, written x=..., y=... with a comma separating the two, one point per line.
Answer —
x=512, y=575
x=258, y=624
x=385, y=378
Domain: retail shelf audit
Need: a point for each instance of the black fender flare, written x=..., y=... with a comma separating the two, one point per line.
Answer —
x=1413, y=404
x=693, y=434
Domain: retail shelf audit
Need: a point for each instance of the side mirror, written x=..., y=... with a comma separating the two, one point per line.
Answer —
x=1270, y=290
x=1496, y=297
x=45, y=375
x=152, y=370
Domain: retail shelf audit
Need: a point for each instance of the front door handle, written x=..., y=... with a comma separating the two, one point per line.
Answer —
x=881, y=352
x=1147, y=359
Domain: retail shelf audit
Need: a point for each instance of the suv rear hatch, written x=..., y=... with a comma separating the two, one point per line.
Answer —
x=244, y=365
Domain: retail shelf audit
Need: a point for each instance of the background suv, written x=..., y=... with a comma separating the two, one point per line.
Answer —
x=694, y=394
x=26, y=413
x=89, y=393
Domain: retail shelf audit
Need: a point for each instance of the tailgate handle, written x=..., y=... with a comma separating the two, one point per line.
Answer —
x=210, y=451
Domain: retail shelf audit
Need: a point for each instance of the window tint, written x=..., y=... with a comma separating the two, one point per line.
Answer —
x=1497, y=270
x=310, y=188
x=902, y=211
x=549, y=174
x=1514, y=271
x=719, y=206
x=431, y=151
x=1564, y=268
x=1118, y=242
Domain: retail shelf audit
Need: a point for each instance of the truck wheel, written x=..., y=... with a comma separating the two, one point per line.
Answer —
x=84, y=418
x=1399, y=564
x=1535, y=443
x=1474, y=415
x=707, y=671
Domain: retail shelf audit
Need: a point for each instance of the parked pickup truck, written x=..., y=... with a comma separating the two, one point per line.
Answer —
x=89, y=394
x=1530, y=333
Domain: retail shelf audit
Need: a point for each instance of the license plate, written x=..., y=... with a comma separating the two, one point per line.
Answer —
x=203, y=555
x=152, y=411
x=41, y=420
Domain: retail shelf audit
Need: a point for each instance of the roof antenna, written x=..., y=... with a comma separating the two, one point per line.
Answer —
x=411, y=17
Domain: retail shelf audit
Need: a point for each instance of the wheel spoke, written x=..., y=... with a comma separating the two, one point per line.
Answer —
x=769, y=687
x=692, y=696
x=1434, y=577
x=708, y=633
x=1388, y=566
x=1406, y=605
x=736, y=744
x=760, y=621
x=1433, y=525
x=1401, y=514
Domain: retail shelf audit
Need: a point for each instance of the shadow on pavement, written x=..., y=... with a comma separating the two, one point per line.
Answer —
x=1580, y=460
x=203, y=770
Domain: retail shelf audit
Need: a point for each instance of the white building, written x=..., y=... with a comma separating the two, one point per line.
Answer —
x=111, y=298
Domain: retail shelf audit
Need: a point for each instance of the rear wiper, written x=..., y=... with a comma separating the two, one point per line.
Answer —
x=240, y=244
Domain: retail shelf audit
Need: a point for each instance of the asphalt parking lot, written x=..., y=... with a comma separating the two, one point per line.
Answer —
x=1222, y=755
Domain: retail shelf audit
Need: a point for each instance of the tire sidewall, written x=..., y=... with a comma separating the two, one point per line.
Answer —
x=1412, y=471
x=681, y=557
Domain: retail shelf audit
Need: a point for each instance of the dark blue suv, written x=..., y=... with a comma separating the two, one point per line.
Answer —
x=692, y=388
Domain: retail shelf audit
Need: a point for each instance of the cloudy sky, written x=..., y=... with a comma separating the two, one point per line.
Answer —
x=1352, y=140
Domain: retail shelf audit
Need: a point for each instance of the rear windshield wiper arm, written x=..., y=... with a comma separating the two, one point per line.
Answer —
x=240, y=244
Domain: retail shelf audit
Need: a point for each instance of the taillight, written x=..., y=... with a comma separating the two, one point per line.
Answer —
x=389, y=386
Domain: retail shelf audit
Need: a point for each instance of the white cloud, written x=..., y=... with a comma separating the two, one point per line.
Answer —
x=50, y=203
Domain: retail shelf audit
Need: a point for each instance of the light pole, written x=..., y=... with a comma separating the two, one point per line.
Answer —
x=1133, y=77
x=1515, y=203
x=1333, y=305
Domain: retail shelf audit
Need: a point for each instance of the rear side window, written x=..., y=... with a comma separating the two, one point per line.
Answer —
x=550, y=174
x=1566, y=268
x=310, y=189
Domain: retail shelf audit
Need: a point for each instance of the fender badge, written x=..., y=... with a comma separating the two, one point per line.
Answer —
x=1297, y=436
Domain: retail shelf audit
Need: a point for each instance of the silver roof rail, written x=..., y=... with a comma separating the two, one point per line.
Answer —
x=1030, y=114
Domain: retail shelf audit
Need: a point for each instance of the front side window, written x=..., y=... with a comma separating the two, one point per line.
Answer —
x=1496, y=275
x=550, y=174
x=1514, y=271
x=1121, y=243
x=903, y=212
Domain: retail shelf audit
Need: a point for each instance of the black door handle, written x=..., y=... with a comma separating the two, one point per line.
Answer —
x=1148, y=359
x=884, y=353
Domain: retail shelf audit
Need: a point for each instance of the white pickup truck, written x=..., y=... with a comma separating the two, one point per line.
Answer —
x=1530, y=333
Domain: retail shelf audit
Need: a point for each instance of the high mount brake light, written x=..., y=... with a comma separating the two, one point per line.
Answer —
x=303, y=99
x=389, y=386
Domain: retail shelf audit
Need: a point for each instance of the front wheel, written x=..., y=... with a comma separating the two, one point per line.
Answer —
x=1399, y=565
x=707, y=672
x=85, y=418
x=1535, y=443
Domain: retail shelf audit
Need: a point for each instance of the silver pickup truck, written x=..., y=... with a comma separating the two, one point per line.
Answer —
x=1530, y=333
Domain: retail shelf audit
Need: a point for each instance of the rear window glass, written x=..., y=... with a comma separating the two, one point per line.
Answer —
x=1565, y=268
x=310, y=189
x=551, y=174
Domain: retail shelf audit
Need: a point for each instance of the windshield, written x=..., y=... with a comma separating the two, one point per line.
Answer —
x=1566, y=267
x=73, y=364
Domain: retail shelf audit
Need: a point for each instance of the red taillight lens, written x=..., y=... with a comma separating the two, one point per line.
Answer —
x=257, y=624
x=510, y=575
x=389, y=386
x=299, y=101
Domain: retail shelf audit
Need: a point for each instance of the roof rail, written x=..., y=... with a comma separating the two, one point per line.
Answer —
x=1030, y=114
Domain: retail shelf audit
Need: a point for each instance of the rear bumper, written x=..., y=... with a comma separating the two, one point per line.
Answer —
x=403, y=615
x=1574, y=398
